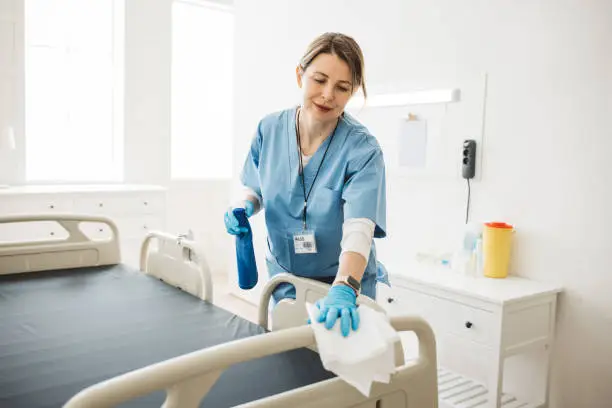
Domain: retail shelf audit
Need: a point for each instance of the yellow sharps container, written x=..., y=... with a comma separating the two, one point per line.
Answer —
x=496, y=247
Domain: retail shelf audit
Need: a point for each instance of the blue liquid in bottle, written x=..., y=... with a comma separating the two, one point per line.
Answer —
x=245, y=253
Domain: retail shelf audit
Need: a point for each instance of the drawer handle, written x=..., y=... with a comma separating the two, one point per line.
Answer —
x=100, y=229
x=468, y=325
x=390, y=300
x=101, y=205
x=51, y=206
x=146, y=203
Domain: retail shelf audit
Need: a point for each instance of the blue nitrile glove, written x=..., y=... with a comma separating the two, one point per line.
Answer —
x=339, y=302
x=231, y=223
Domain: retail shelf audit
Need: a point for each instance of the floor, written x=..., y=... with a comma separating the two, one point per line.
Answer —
x=223, y=298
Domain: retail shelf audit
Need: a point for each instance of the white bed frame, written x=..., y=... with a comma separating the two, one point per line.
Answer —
x=187, y=378
x=75, y=251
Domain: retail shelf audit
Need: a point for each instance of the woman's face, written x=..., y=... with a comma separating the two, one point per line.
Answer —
x=326, y=87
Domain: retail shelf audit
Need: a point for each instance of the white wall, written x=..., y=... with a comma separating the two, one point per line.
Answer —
x=148, y=54
x=196, y=205
x=547, y=137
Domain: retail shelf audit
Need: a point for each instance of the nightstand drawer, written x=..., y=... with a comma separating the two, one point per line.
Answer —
x=112, y=205
x=400, y=301
x=469, y=323
x=35, y=205
x=100, y=204
x=148, y=203
x=138, y=228
x=444, y=315
x=32, y=231
x=96, y=231
x=143, y=203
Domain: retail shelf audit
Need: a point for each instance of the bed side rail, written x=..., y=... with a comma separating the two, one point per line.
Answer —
x=176, y=260
x=414, y=383
x=75, y=251
x=292, y=312
x=188, y=378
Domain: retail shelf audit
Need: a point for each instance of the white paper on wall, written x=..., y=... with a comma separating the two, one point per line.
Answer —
x=413, y=144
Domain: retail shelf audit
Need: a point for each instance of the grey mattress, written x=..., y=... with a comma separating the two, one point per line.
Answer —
x=61, y=331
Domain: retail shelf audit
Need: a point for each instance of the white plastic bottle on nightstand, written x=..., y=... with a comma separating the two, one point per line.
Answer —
x=479, y=257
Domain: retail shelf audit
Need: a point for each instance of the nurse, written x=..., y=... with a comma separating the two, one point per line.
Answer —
x=319, y=175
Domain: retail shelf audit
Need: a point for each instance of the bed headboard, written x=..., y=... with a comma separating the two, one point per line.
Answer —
x=75, y=251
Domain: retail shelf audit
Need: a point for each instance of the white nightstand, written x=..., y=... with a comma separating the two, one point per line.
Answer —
x=479, y=323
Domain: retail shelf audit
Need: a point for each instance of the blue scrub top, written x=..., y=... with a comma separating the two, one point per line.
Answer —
x=350, y=184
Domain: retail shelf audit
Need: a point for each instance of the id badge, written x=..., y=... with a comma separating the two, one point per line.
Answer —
x=304, y=242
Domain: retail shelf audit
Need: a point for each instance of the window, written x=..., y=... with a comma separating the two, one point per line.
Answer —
x=202, y=48
x=73, y=90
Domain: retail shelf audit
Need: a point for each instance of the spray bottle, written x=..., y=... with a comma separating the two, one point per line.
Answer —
x=245, y=253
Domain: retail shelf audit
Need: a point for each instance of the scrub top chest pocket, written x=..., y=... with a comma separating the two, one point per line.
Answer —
x=325, y=209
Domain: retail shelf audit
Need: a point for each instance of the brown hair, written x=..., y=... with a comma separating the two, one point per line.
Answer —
x=345, y=47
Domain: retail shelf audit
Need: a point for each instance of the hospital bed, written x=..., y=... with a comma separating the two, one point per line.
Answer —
x=80, y=329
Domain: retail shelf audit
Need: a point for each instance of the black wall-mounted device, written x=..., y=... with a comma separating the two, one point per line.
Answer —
x=468, y=157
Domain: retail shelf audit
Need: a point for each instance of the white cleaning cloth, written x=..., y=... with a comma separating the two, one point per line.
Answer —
x=365, y=356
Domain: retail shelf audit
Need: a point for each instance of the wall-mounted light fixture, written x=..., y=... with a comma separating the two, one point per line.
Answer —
x=407, y=98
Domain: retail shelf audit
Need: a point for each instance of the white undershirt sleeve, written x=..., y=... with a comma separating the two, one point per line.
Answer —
x=357, y=234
